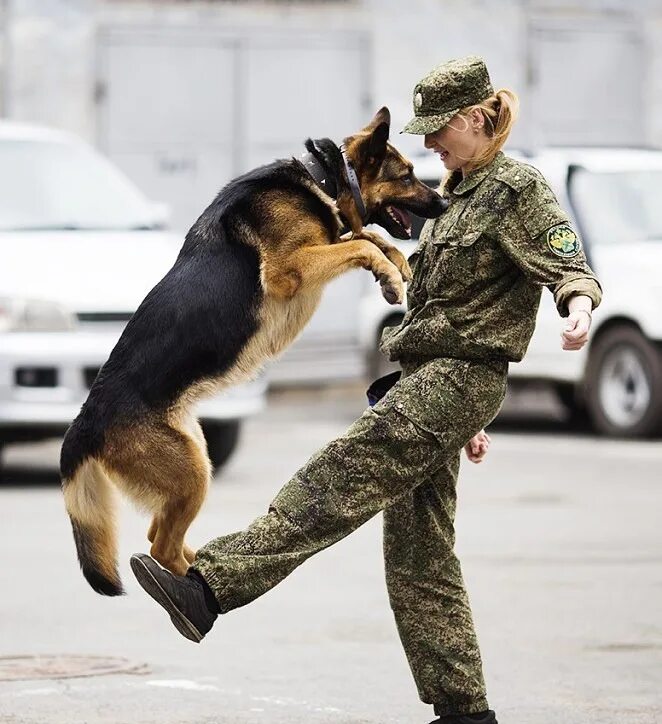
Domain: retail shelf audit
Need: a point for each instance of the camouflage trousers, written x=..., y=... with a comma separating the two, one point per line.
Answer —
x=402, y=457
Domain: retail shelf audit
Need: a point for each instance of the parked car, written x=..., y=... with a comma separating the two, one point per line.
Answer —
x=613, y=196
x=80, y=247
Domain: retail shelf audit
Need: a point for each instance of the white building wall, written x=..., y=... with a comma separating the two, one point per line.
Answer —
x=50, y=72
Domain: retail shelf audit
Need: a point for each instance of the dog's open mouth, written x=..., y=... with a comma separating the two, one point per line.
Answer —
x=396, y=221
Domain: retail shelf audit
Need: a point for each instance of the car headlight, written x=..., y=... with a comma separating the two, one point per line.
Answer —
x=34, y=315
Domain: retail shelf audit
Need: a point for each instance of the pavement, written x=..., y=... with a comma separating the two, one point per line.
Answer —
x=561, y=543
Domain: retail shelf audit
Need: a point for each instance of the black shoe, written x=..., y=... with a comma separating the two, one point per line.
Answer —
x=182, y=597
x=485, y=717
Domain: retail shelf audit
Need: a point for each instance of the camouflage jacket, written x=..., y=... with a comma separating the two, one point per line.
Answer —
x=479, y=268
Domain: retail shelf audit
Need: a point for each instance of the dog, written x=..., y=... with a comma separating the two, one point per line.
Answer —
x=246, y=281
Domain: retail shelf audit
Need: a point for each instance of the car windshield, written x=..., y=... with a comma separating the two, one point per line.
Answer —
x=620, y=206
x=58, y=185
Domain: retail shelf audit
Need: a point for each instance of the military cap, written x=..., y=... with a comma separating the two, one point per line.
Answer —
x=445, y=90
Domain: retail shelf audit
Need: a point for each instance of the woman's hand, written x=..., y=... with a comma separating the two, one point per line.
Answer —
x=477, y=447
x=575, y=330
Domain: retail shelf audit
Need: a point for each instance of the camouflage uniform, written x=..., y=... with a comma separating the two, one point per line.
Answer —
x=478, y=272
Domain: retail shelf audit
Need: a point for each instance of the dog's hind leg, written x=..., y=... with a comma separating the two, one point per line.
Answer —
x=176, y=516
x=163, y=467
x=153, y=527
x=187, y=552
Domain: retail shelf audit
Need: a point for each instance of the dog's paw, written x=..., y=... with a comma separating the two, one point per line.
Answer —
x=400, y=260
x=393, y=290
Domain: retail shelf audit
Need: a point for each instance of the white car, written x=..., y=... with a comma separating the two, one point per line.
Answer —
x=80, y=247
x=614, y=197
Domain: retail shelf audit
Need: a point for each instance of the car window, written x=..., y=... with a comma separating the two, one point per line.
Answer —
x=618, y=207
x=58, y=185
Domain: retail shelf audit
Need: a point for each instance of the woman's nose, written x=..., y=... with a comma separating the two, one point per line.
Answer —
x=427, y=141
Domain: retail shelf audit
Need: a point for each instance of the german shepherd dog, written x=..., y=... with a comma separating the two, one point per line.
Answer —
x=247, y=279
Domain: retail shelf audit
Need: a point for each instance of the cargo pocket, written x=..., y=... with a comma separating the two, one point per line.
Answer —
x=433, y=397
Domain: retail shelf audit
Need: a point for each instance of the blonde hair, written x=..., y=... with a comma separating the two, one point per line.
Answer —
x=499, y=112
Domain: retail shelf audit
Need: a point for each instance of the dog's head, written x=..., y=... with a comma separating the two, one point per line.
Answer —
x=389, y=187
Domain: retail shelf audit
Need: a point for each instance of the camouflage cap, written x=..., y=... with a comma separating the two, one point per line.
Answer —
x=447, y=89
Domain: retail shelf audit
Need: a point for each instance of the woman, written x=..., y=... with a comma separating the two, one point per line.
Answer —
x=478, y=274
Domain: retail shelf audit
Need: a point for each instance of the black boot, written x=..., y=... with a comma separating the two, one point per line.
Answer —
x=485, y=717
x=183, y=597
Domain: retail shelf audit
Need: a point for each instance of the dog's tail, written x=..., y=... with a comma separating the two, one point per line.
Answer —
x=90, y=501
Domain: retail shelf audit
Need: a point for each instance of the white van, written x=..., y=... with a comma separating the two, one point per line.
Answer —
x=80, y=247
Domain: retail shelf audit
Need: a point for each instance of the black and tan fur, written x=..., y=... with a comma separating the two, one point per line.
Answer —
x=248, y=278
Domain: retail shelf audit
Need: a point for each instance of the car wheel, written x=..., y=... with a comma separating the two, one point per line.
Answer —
x=624, y=384
x=222, y=439
x=378, y=364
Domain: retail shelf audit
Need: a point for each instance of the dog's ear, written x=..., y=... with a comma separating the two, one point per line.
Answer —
x=383, y=115
x=378, y=129
x=377, y=143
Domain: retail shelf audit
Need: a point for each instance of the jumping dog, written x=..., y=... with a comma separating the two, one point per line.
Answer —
x=246, y=281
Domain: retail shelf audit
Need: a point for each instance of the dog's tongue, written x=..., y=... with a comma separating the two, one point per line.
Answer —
x=402, y=216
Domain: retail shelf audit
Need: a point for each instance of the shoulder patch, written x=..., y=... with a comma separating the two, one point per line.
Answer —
x=563, y=241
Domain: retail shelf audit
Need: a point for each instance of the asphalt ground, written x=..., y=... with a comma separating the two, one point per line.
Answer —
x=559, y=534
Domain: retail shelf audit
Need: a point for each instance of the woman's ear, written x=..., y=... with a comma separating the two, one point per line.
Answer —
x=476, y=120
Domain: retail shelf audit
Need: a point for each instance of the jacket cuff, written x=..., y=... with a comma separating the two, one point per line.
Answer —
x=584, y=285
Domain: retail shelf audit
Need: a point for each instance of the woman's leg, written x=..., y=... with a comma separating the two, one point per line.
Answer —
x=428, y=597
x=400, y=443
x=343, y=485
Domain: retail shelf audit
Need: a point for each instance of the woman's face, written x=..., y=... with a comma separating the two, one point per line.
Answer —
x=459, y=141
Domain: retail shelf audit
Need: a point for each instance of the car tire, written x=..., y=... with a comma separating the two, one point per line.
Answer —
x=624, y=384
x=378, y=364
x=222, y=440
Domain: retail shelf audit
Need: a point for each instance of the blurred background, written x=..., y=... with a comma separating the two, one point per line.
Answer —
x=119, y=122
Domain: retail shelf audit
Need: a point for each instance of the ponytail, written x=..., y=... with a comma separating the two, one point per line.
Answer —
x=500, y=113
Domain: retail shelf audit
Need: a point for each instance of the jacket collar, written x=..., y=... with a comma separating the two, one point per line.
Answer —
x=458, y=185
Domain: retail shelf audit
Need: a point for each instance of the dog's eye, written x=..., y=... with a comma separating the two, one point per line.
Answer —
x=407, y=180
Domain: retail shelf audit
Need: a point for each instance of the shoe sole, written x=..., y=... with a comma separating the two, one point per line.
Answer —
x=150, y=584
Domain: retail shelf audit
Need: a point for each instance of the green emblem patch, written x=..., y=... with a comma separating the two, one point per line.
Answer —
x=563, y=241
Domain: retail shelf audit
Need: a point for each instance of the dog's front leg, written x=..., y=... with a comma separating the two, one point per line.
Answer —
x=390, y=252
x=315, y=265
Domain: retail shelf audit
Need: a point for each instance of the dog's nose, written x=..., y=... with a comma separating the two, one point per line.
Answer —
x=439, y=205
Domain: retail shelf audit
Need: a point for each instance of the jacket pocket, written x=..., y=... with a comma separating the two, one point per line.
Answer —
x=455, y=241
x=454, y=264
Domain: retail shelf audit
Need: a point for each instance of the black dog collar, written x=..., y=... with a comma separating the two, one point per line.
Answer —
x=327, y=182
x=354, y=185
x=320, y=175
